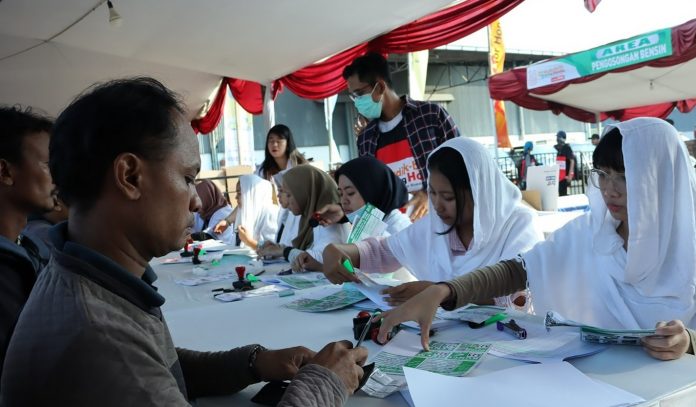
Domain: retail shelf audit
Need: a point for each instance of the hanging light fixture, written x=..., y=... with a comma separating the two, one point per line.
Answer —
x=114, y=18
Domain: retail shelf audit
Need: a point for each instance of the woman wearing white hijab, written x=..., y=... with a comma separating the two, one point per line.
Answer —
x=476, y=219
x=629, y=263
x=255, y=217
x=288, y=224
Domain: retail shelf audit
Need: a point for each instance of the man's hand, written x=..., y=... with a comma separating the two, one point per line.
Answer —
x=333, y=266
x=330, y=214
x=671, y=341
x=359, y=125
x=420, y=308
x=346, y=362
x=281, y=364
x=419, y=202
x=402, y=293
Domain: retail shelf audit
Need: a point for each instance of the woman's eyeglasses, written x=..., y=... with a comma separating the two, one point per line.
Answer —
x=601, y=180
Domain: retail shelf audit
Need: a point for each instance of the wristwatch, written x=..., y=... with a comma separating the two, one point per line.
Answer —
x=252, y=361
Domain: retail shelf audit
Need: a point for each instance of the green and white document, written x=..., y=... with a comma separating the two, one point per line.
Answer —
x=368, y=224
x=327, y=299
x=448, y=358
x=594, y=334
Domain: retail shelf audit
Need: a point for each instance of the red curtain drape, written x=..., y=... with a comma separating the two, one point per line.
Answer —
x=247, y=93
x=512, y=85
x=324, y=79
x=209, y=122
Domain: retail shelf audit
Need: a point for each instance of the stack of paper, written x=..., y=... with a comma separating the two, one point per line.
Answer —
x=326, y=299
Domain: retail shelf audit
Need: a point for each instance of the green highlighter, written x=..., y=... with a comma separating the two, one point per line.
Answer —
x=348, y=266
x=492, y=319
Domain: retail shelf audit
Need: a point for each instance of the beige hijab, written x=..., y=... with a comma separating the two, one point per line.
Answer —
x=312, y=190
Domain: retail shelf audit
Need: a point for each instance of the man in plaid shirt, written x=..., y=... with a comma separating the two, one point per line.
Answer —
x=401, y=132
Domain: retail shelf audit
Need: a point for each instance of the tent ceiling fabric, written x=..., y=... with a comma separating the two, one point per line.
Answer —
x=652, y=88
x=640, y=87
x=189, y=48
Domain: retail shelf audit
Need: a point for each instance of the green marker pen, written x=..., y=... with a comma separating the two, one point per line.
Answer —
x=348, y=266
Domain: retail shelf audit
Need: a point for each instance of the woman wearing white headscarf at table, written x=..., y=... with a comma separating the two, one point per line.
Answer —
x=288, y=224
x=255, y=218
x=476, y=219
x=630, y=263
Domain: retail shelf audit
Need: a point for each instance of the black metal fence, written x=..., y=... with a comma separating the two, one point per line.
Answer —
x=510, y=167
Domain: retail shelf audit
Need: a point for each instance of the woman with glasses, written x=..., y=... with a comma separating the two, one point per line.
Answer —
x=630, y=263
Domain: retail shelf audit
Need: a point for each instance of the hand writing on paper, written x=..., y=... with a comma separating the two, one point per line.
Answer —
x=330, y=214
x=419, y=202
x=270, y=249
x=402, y=293
x=281, y=364
x=346, y=362
x=305, y=261
x=333, y=267
x=421, y=308
x=671, y=341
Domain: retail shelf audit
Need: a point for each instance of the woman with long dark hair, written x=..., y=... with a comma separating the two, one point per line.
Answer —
x=280, y=153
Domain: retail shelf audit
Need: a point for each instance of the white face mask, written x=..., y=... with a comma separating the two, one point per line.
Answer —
x=353, y=216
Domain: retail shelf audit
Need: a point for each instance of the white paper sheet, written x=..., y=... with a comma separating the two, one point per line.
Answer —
x=372, y=287
x=540, y=346
x=540, y=385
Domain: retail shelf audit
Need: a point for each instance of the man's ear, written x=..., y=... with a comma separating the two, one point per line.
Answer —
x=7, y=172
x=128, y=175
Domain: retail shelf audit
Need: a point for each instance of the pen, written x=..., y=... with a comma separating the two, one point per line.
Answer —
x=368, y=324
x=222, y=290
x=494, y=318
x=512, y=328
x=348, y=266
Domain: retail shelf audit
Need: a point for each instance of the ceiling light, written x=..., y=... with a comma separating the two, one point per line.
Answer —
x=114, y=18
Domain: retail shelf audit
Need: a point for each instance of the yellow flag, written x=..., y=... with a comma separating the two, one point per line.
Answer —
x=496, y=57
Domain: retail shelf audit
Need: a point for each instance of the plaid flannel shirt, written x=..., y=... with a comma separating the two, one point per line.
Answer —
x=427, y=126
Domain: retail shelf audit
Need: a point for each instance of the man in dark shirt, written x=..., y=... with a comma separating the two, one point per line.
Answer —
x=125, y=159
x=25, y=187
x=401, y=132
x=566, y=163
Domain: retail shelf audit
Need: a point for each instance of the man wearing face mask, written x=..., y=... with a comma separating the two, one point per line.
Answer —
x=401, y=132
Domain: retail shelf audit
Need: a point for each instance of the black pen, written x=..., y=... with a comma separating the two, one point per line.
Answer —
x=368, y=324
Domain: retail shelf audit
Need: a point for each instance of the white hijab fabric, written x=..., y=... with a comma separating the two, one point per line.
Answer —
x=503, y=228
x=584, y=273
x=257, y=214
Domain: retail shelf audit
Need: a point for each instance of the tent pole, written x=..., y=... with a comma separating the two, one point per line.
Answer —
x=599, y=123
x=490, y=100
x=268, y=108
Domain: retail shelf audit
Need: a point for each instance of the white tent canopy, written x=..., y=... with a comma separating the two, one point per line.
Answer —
x=187, y=45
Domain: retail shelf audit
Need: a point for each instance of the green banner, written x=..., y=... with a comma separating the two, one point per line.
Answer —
x=635, y=50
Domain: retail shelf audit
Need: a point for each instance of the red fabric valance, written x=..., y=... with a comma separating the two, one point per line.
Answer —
x=247, y=93
x=209, y=122
x=512, y=85
x=324, y=79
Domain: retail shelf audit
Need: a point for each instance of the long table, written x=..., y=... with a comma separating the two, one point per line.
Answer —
x=199, y=322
